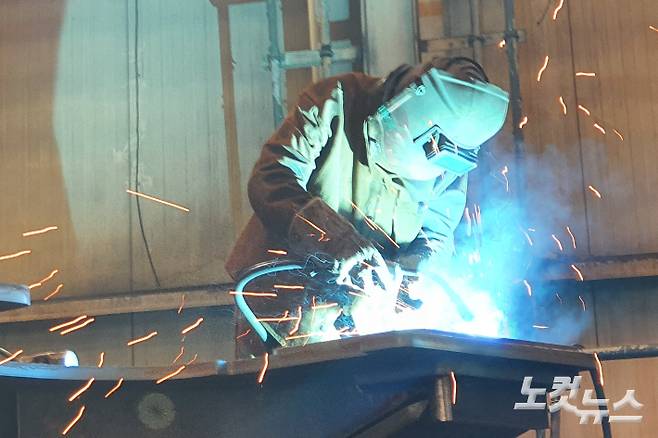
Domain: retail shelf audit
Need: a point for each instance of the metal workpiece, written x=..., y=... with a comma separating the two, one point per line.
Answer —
x=421, y=382
x=14, y=296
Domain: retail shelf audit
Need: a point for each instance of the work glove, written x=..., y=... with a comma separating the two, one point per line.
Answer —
x=317, y=230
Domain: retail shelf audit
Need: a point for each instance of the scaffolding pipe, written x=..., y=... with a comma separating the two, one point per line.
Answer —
x=511, y=42
x=476, y=38
x=276, y=59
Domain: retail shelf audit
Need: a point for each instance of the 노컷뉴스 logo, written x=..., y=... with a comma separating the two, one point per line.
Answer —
x=565, y=389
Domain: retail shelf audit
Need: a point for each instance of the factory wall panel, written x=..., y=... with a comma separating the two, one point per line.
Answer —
x=628, y=320
x=252, y=86
x=389, y=30
x=180, y=152
x=553, y=191
x=618, y=45
x=64, y=129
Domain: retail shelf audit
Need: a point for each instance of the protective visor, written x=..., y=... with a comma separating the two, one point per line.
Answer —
x=436, y=124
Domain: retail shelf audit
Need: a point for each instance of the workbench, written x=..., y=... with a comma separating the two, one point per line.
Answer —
x=389, y=384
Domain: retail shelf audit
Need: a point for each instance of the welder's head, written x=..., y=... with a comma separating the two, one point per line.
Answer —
x=434, y=119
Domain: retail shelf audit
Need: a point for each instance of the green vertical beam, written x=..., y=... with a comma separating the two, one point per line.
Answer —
x=276, y=59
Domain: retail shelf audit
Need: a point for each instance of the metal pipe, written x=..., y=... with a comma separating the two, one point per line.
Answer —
x=625, y=352
x=253, y=273
x=476, y=38
x=511, y=41
x=600, y=394
x=276, y=58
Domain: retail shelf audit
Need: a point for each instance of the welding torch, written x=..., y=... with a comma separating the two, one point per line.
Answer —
x=463, y=310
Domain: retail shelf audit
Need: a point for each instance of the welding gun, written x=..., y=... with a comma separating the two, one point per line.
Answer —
x=463, y=310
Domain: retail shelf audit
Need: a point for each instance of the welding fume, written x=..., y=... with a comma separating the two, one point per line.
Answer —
x=356, y=198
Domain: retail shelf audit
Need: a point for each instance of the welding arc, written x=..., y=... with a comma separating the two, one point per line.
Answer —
x=463, y=310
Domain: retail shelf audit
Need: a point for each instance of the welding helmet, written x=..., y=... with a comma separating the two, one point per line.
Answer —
x=435, y=124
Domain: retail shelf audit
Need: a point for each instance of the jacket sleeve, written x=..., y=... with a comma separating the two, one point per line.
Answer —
x=435, y=242
x=278, y=184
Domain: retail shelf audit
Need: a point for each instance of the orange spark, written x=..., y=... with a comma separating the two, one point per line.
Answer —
x=454, y=387
x=170, y=375
x=254, y=294
x=653, y=28
x=564, y=105
x=182, y=350
x=84, y=387
x=266, y=363
x=523, y=122
x=527, y=236
x=55, y=292
x=599, y=368
x=573, y=238
x=277, y=251
x=41, y=231
x=600, y=128
x=243, y=334
x=77, y=327
x=74, y=421
x=275, y=319
x=182, y=303
x=153, y=198
x=191, y=327
x=578, y=273
x=295, y=329
x=596, y=192
x=10, y=358
x=380, y=229
x=192, y=360
x=621, y=137
x=557, y=242
x=542, y=69
x=287, y=286
x=15, y=255
x=142, y=339
x=585, y=110
x=322, y=232
x=504, y=173
x=101, y=359
x=557, y=9
x=308, y=335
x=582, y=301
x=324, y=306
x=358, y=294
x=66, y=324
x=589, y=75
x=502, y=44
x=40, y=283
x=114, y=388
x=540, y=326
x=559, y=298
x=528, y=287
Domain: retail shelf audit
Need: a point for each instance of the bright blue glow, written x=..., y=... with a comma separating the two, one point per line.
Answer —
x=438, y=311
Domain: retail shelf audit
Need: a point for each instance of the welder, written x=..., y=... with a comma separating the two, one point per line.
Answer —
x=368, y=171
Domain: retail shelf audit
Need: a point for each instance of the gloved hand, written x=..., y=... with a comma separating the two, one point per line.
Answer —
x=318, y=230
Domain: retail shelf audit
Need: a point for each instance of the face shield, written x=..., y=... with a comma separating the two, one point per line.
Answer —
x=434, y=125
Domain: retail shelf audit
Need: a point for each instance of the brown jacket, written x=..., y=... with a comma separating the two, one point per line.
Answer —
x=319, y=151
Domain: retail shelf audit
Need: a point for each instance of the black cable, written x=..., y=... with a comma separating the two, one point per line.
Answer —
x=139, y=209
x=600, y=394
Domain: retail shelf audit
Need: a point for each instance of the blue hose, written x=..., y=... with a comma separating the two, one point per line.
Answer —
x=253, y=273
